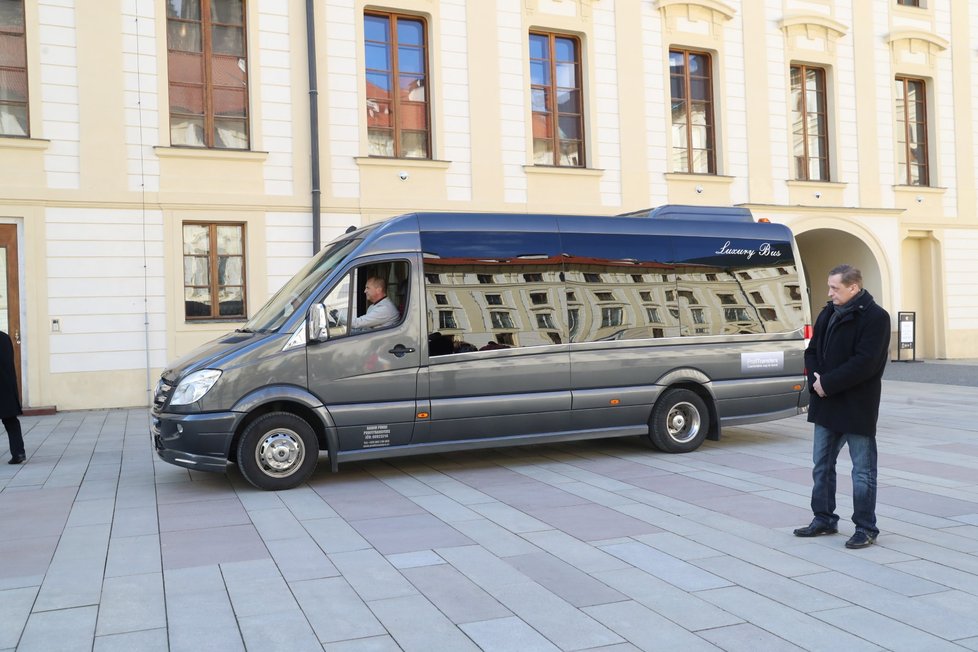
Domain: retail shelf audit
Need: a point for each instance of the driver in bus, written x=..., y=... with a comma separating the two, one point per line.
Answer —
x=381, y=311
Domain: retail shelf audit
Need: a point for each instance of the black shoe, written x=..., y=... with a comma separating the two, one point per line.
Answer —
x=17, y=459
x=815, y=530
x=861, y=540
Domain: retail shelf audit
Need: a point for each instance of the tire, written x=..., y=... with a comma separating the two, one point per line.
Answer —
x=679, y=421
x=277, y=451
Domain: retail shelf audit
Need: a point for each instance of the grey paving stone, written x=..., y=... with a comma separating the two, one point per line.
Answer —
x=94, y=489
x=506, y=634
x=200, y=486
x=593, y=522
x=253, y=499
x=134, y=495
x=645, y=628
x=257, y=588
x=685, y=609
x=946, y=576
x=15, y=607
x=415, y=624
x=444, y=508
x=200, y=514
x=371, y=576
x=33, y=557
x=371, y=644
x=37, y=512
x=528, y=495
x=133, y=556
x=954, y=602
x=596, y=495
x=968, y=643
x=563, y=580
x=575, y=552
x=408, y=533
x=510, y=518
x=131, y=603
x=276, y=524
x=285, y=631
x=494, y=538
x=787, y=623
x=482, y=567
x=203, y=547
x=414, y=559
x=771, y=585
x=199, y=613
x=678, y=546
x=300, y=559
x=885, y=632
x=866, y=568
x=399, y=481
x=746, y=638
x=666, y=567
x=305, y=504
x=374, y=500
x=335, y=535
x=568, y=627
x=460, y=492
x=74, y=578
x=65, y=630
x=135, y=521
x=91, y=512
x=148, y=640
x=335, y=611
x=459, y=598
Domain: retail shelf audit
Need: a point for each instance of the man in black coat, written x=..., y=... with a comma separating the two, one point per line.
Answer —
x=10, y=401
x=845, y=361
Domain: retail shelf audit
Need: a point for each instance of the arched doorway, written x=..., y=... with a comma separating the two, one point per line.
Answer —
x=822, y=249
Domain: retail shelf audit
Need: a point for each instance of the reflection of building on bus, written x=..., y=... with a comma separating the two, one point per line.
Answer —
x=525, y=302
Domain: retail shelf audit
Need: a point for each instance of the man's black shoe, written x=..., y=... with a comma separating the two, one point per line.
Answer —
x=861, y=540
x=815, y=530
x=17, y=459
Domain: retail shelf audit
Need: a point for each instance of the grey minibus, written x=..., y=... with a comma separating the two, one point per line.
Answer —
x=509, y=329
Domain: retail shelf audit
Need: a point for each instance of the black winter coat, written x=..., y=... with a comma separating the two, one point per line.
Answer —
x=850, y=365
x=9, y=401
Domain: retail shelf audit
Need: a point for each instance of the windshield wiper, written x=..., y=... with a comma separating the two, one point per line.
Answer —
x=243, y=330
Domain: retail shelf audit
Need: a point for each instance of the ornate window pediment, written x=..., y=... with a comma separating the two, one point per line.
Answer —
x=915, y=46
x=812, y=32
x=813, y=27
x=683, y=15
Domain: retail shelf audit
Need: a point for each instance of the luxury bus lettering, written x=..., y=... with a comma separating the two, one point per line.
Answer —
x=726, y=250
x=765, y=249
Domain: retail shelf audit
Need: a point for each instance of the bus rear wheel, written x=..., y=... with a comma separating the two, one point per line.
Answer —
x=679, y=421
x=277, y=451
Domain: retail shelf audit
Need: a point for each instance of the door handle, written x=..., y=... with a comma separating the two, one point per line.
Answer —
x=17, y=336
x=400, y=350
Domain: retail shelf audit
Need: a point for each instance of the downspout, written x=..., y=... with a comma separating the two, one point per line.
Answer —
x=313, y=123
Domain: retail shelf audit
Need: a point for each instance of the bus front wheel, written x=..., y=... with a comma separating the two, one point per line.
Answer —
x=277, y=450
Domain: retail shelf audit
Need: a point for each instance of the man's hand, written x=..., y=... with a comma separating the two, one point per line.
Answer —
x=818, y=385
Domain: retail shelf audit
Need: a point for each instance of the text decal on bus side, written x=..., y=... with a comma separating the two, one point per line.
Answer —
x=765, y=249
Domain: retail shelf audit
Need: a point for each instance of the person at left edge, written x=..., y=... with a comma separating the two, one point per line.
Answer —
x=10, y=401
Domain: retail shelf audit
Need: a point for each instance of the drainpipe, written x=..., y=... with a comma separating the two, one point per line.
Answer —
x=313, y=122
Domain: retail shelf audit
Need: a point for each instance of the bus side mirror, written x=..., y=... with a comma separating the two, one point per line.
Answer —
x=317, y=325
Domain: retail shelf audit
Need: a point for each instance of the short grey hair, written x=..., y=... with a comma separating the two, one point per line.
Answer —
x=850, y=275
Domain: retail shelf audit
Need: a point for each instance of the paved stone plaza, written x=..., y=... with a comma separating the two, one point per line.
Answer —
x=601, y=545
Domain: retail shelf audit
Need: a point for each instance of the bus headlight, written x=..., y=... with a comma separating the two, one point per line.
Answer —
x=192, y=388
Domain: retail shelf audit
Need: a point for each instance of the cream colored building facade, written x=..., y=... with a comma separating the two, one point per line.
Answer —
x=96, y=195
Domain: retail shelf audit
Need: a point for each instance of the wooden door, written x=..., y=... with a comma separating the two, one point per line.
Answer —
x=10, y=292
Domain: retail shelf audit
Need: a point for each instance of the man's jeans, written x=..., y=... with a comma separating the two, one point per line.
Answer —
x=862, y=451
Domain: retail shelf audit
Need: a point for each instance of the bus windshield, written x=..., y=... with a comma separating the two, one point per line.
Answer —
x=294, y=293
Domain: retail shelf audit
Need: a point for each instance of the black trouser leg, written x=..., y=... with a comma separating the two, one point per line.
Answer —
x=16, y=437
